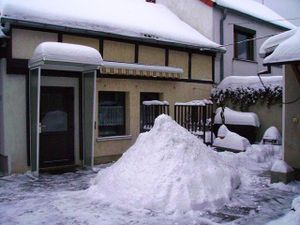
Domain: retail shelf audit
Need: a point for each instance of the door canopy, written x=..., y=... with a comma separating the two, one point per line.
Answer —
x=63, y=56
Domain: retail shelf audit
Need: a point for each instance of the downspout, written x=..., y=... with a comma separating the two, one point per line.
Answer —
x=224, y=15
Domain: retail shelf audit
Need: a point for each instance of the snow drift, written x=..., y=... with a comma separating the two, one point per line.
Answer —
x=167, y=169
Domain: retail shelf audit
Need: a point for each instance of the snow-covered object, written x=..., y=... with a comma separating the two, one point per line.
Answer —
x=222, y=132
x=134, y=18
x=272, y=134
x=233, y=117
x=230, y=140
x=257, y=10
x=247, y=82
x=281, y=166
x=167, y=169
x=271, y=43
x=286, y=51
x=135, y=66
x=63, y=52
x=155, y=102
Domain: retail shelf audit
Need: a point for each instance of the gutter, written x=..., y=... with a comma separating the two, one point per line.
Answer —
x=9, y=21
x=224, y=15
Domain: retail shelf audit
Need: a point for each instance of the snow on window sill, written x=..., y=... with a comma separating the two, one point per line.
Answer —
x=114, y=138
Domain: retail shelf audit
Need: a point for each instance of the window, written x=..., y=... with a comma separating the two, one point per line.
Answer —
x=111, y=113
x=243, y=43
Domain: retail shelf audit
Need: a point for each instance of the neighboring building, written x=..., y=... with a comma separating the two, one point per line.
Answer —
x=148, y=52
x=284, y=49
x=230, y=22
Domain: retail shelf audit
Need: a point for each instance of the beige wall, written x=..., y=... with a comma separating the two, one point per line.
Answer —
x=72, y=39
x=25, y=41
x=171, y=91
x=151, y=55
x=118, y=51
x=201, y=67
x=291, y=119
x=180, y=59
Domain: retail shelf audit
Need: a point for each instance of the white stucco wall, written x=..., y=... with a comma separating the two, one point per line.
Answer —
x=14, y=111
x=193, y=12
x=239, y=67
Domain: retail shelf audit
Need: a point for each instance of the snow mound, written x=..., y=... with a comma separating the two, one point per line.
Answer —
x=281, y=166
x=230, y=140
x=167, y=169
x=272, y=133
x=233, y=117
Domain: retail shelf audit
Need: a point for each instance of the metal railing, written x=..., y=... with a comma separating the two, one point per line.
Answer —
x=151, y=110
x=197, y=118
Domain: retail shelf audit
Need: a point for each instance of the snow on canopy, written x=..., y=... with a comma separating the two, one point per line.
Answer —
x=167, y=169
x=235, y=82
x=257, y=10
x=63, y=52
x=287, y=49
x=233, y=117
x=133, y=18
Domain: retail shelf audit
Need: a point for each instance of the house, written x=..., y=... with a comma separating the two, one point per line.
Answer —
x=284, y=49
x=241, y=27
x=48, y=91
x=230, y=23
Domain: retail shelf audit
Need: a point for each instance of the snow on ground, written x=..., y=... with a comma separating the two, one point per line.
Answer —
x=67, y=198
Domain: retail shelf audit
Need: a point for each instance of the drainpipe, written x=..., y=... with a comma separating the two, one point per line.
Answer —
x=224, y=15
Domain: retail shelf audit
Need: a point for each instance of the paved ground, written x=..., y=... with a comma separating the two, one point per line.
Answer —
x=59, y=199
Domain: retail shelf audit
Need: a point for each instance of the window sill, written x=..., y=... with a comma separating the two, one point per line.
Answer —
x=114, y=138
x=244, y=60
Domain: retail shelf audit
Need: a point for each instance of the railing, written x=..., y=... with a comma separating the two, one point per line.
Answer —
x=151, y=110
x=197, y=117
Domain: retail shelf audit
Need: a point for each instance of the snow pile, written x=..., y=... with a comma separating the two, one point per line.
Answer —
x=202, y=102
x=64, y=52
x=133, y=18
x=292, y=218
x=230, y=140
x=257, y=10
x=233, y=117
x=281, y=166
x=167, y=169
x=272, y=134
x=287, y=51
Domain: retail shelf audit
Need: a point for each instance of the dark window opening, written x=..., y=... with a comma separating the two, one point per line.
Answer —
x=111, y=114
x=243, y=43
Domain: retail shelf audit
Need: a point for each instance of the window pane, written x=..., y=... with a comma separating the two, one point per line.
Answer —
x=242, y=47
x=111, y=113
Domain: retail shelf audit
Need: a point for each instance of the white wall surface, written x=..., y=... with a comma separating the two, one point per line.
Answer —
x=195, y=13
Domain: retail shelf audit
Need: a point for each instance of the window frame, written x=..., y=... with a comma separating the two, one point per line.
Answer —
x=121, y=131
x=250, y=45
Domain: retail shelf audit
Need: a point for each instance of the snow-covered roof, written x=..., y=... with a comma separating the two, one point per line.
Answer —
x=132, y=18
x=64, y=53
x=235, y=82
x=286, y=45
x=256, y=9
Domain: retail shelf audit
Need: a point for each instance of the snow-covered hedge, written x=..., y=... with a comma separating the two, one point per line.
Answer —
x=247, y=91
